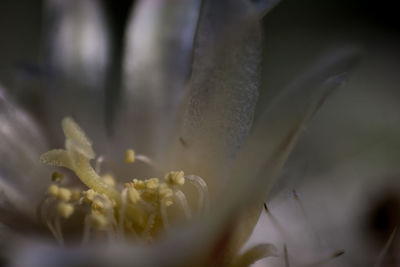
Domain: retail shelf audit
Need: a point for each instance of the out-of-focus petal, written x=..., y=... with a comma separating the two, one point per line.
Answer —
x=77, y=53
x=21, y=142
x=278, y=130
x=159, y=44
x=218, y=108
x=77, y=40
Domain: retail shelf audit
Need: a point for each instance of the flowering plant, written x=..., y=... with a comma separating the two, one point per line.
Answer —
x=192, y=76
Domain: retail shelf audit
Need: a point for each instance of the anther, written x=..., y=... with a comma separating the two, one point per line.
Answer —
x=64, y=194
x=52, y=190
x=175, y=178
x=65, y=209
x=129, y=156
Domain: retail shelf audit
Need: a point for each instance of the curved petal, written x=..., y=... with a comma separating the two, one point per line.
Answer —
x=218, y=109
x=21, y=143
x=77, y=40
x=77, y=52
x=278, y=130
x=159, y=43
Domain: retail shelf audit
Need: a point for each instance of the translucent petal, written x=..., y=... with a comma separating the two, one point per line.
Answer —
x=21, y=142
x=159, y=43
x=218, y=108
x=77, y=40
x=279, y=128
x=77, y=49
x=254, y=254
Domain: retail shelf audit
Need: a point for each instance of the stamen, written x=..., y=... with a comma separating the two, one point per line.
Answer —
x=59, y=230
x=64, y=194
x=202, y=189
x=145, y=159
x=52, y=190
x=149, y=225
x=164, y=215
x=86, y=230
x=175, y=178
x=184, y=204
x=129, y=156
x=65, y=209
x=133, y=211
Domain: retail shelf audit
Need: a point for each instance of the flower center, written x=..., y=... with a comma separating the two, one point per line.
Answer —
x=138, y=209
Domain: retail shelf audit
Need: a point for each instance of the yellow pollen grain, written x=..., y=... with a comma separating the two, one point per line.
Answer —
x=166, y=194
x=89, y=195
x=52, y=190
x=138, y=184
x=76, y=194
x=65, y=209
x=129, y=156
x=133, y=195
x=175, y=178
x=64, y=194
x=98, y=205
x=151, y=183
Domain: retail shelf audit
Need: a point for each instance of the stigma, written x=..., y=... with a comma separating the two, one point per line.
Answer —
x=135, y=210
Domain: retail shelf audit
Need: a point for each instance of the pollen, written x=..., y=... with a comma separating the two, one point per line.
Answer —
x=52, y=190
x=138, y=209
x=65, y=209
x=175, y=178
x=64, y=194
x=129, y=156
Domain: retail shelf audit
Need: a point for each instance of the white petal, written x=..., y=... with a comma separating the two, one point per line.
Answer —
x=219, y=106
x=279, y=128
x=78, y=41
x=21, y=143
x=159, y=43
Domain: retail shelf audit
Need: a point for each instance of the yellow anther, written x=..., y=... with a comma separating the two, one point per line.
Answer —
x=76, y=194
x=99, y=220
x=108, y=179
x=65, y=209
x=89, y=195
x=151, y=183
x=138, y=184
x=166, y=194
x=149, y=195
x=64, y=194
x=165, y=191
x=175, y=178
x=57, y=177
x=52, y=190
x=98, y=205
x=129, y=156
x=133, y=195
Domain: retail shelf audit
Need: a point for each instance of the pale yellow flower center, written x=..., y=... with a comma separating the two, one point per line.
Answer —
x=137, y=209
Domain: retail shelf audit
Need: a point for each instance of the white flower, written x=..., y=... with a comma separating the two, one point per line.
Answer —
x=189, y=113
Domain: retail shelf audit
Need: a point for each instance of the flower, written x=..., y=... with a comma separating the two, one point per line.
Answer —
x=200, y=122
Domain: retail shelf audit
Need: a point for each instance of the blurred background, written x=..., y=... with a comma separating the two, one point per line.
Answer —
x=346, y=168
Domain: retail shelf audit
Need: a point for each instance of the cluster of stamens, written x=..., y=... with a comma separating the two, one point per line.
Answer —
x=136, y=209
